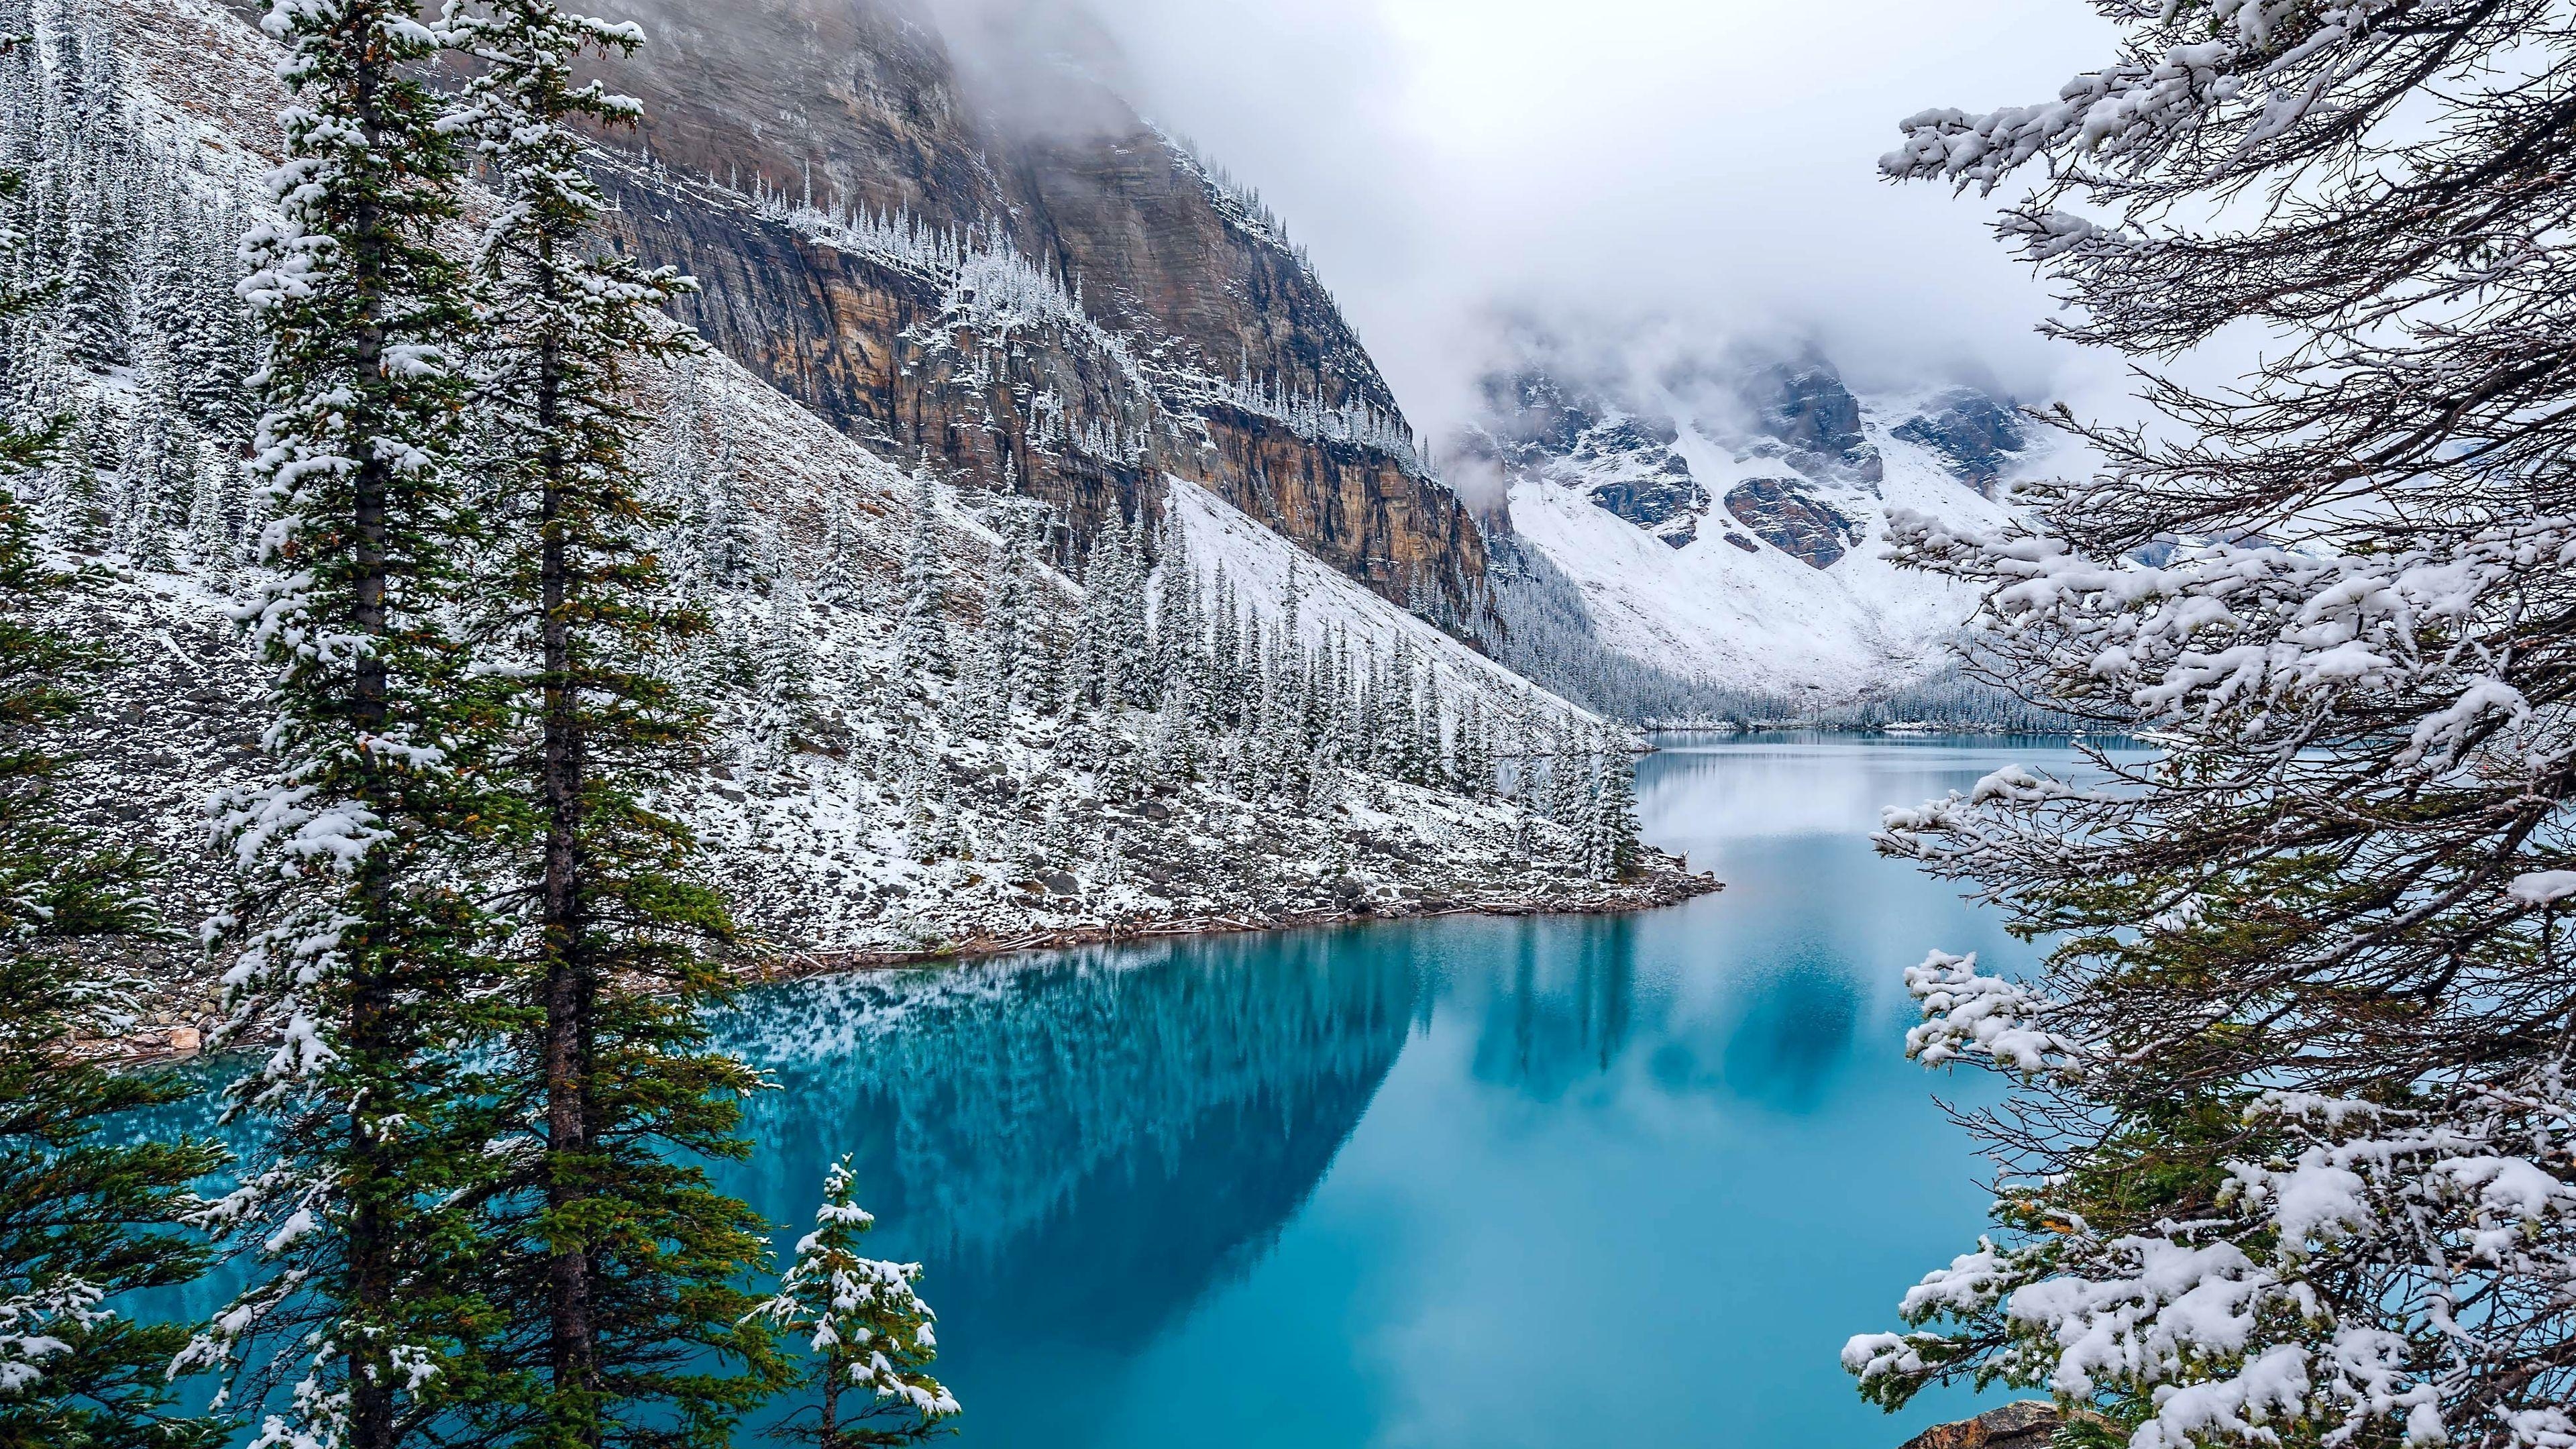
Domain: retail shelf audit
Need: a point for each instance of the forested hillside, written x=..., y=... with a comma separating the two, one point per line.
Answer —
x=944, y=715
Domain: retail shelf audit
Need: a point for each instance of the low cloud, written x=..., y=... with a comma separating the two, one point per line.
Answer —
x=1633, y=168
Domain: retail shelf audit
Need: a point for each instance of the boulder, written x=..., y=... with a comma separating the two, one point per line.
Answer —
x=2025, y=1425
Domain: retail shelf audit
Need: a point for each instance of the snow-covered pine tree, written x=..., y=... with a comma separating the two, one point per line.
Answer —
x=1179, y=632
x=216, y=352
x=921, y=651
x=724, y=521
x=1434, y=726
x=175, y=477
x=354, y=940
x=2290, y=1157
x=786, y=646
x=870, y=1334
x=840, y=579
x=84, y=508
x=619, y=1272
x=1563, y=792
x=1614, y=806
x=84, y=1217
x=97, y=282
x=1004, y=659
x=1474, y=774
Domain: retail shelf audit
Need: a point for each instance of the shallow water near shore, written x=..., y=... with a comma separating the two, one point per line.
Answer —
x=1466, y=1182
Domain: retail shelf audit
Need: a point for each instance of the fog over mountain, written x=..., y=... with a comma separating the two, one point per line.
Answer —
x=1623, y=168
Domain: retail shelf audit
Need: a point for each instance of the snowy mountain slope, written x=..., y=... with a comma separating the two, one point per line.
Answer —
x=1737, y=534
x=1217, y=535
x=855, y=804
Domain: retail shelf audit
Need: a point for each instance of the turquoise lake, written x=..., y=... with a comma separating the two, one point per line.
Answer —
x=1464, y=1183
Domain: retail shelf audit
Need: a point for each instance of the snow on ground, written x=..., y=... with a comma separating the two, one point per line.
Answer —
x=1259, y=562
x=1763, y=620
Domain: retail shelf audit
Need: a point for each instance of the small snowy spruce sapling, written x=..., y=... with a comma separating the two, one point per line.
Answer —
x=870, y=1334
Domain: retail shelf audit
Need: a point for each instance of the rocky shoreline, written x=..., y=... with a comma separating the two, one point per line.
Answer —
x=173, y=1023
x=1667, y=880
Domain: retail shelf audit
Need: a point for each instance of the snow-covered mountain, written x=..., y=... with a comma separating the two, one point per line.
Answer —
x=1725, y=521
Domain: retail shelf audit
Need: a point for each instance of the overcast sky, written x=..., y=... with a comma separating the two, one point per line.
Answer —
x=1710, y=161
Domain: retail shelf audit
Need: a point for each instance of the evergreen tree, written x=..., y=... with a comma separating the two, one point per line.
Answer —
x=724, y=539
x=96, y=281
x=870, y=1334
x=786, y=649
x=2288, y=1159
x=85, y=1214
x=1614, y=809
x=1474, y=776
x=84, y=508
x=921, y=636
x=357, y=940
x=82, y=1220
x=1005, y=665
x=620, y=1267
x=1178, y=630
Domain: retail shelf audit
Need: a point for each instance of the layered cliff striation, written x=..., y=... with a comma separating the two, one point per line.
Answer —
x=998, y=270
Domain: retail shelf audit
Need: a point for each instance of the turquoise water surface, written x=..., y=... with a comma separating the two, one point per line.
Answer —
x=1467, y=1183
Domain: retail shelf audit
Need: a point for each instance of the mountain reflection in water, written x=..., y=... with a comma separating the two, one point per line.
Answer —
x=1469, y=1183
x=1413, y=1183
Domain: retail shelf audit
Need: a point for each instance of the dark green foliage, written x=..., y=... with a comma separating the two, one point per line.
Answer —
x=619, y=1265
x=82, y=1219
x=362, y=942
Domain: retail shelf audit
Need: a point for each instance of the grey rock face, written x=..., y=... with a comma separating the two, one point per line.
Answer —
x=1971, y=433
x=862, y=103
x=1809, y=412
x=1626, y=465
x=1786, y=514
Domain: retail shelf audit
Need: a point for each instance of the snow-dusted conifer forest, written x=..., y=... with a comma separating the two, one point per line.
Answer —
x=444, y=675
x=938, y=725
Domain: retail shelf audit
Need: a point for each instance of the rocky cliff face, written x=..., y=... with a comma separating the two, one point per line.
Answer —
x=1015, y=279
x=2030, y=1424
x=1973, y=434
x=1628, y=465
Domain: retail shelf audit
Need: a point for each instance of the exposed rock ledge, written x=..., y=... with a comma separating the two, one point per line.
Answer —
x=2029, y=1424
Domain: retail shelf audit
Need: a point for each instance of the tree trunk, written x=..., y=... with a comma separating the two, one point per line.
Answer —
x=573, y=1335
x=372, y=1270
